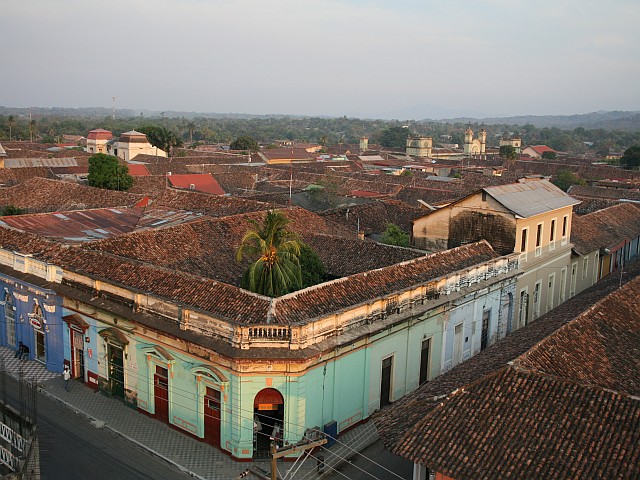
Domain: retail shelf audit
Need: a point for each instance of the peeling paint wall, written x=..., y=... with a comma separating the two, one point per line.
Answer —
x=470, y=226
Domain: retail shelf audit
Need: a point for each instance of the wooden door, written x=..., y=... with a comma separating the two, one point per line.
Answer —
x=385, y=382
x=212, y=417
x=116, y=371
x=161, y=393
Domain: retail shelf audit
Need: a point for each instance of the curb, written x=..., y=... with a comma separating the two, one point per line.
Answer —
x=92, y=419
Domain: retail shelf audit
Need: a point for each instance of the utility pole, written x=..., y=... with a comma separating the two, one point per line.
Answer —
x=299, y=447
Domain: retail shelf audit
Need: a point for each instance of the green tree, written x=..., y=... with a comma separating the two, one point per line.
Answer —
x=106, y=172
x=11, y=210
x=394, y=235
x=161, y=137
x=244, y=143
x=313, y=271
x=274, y=251
x=508, y=152
x=548, y=155
x=565, y=179
x=394, y=137
x=631, y=157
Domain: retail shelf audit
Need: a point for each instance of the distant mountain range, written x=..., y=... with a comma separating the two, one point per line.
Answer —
x=608, y=120
x=615, y=120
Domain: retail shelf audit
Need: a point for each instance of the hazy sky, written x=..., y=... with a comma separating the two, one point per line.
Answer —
x=360, y=58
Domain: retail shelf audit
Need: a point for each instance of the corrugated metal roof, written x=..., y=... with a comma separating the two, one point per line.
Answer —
x=531, y=198
x=91, y=225
x=40, y=162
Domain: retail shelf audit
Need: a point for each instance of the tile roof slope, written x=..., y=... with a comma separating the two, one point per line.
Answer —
x=207, y=247
x=515, y=424
x=392, y=423
x=347, y=256
x=531, y=198
x=10, y=177
x=605, y=228
x=604, y=192
x=373, y=217
x=212, y=205
x=46, y=195
x=568, y=407
x=601, y=347
x=226, y=301
x=356, y=289
x=202, y=182
x=152, y=185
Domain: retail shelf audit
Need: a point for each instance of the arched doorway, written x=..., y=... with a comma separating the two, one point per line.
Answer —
x=268, y=410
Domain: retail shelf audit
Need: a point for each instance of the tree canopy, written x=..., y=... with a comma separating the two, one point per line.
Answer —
x=274, y=252
x=394, y=235
x=106, y=172
x=631, y=157
x=161, y=137
x=11, y=210
x=548, y=155
x=565, y=179
x=244, y=143
x=394, y=137
x=313, y=271
x=508, y=152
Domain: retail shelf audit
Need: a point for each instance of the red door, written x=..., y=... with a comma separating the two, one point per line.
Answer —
x=161, y=393
x=212, y=417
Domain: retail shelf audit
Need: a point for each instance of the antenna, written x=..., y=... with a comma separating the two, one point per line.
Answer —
x=113, y=108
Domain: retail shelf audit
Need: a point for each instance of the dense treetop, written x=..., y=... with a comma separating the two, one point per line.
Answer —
x=266, y=130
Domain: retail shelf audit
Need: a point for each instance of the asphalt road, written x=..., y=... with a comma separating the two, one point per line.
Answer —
x=72, y=448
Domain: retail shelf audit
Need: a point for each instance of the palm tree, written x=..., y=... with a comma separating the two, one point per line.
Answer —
x=32, y=127
x=191, y=126
x=12, y=121
x=275, y=253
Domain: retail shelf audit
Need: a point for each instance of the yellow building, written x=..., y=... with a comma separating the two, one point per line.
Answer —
x=531, y=218
x=419, y=146
x=475, y=147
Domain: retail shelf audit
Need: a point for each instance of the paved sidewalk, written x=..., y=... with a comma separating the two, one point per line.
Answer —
x=193, y=457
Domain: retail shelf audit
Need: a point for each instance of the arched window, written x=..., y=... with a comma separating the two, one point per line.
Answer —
x=10, y=319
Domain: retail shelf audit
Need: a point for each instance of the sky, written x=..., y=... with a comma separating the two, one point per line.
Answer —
x=405, y=59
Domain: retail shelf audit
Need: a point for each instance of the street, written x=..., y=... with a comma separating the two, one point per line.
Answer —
x=72, y=448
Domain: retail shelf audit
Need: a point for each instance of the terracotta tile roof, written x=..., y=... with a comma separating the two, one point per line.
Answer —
x=138, y=170
x=45, y=195
x=153, y=185
x=551, y=399
x=520, y=425
x=590, y=205
x=347, y=256
x=201, y=182
x=373, y=217
x=313, y=302
x=212, y=244
x=605, y=228
x=540, y=149
x=222, y=300
x=605, y=193
x=212, y=205
x=10, y=177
